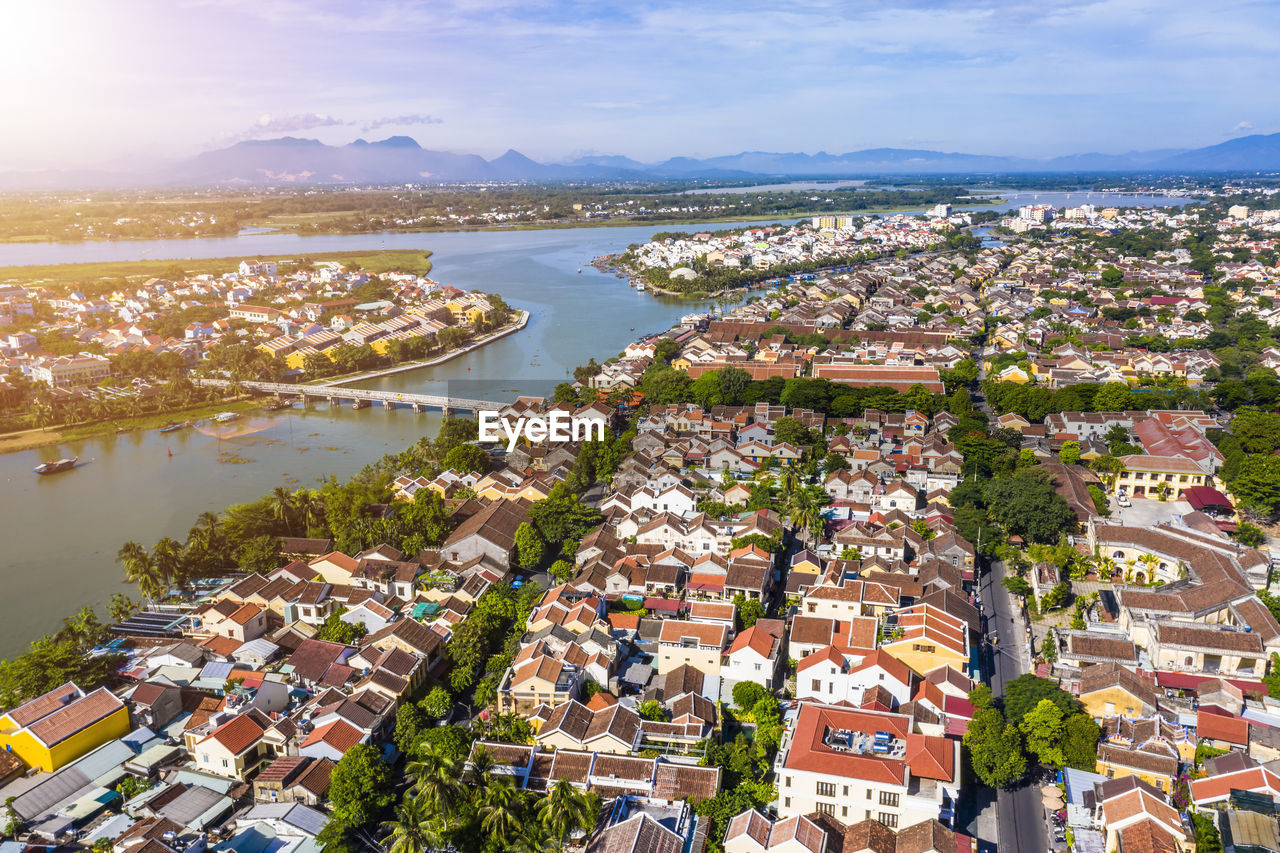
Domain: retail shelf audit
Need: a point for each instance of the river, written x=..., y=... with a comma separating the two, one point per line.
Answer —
x=61, y=533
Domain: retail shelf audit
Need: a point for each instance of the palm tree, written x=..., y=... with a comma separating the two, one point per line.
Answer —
x=435, y=781
x=166, y=556
x=479, y=769
x=501, y=811
x=416, y=828
x=1151, y=561
x=140, y=569
x=310, y=506
x=282, y=505
x=563, y=810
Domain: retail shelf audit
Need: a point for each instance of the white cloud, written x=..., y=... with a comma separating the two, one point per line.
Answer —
x=401, y=121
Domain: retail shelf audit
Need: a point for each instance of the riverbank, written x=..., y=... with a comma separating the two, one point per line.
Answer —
x=413, y=261
x=616, y=222
x=32, y=439
x=497, y=334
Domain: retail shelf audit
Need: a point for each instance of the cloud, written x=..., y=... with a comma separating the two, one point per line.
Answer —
x=1242, y=127
x=286, y=123
x=401, y=121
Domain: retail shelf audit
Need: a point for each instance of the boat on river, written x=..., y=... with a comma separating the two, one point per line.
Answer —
x=57, y=467
x=171, y=427
x=225, y=417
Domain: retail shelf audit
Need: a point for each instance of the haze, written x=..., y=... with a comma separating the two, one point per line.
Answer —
x=135, y=82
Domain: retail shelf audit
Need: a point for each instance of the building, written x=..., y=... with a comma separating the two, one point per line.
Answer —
x=72, y=371
x=854, y=765
x=700, y=645
x=1157, y=475
x=55, y=729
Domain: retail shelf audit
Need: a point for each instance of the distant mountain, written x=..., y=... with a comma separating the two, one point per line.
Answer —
x=400, y=159
x=1247, y=153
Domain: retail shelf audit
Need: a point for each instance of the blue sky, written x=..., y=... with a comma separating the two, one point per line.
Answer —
x=88, y=82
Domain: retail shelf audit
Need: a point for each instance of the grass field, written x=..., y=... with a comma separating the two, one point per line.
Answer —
x=414, y=261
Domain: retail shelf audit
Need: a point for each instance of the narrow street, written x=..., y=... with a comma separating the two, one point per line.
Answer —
x=1020, y=817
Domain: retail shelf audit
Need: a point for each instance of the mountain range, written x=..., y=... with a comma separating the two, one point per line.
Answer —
x=400, y=159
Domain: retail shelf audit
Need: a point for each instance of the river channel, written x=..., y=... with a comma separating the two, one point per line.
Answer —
x=61, y=533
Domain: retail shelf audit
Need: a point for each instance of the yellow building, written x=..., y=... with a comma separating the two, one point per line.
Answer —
x=1148, y=475
x=55, y=729
x=929, y=638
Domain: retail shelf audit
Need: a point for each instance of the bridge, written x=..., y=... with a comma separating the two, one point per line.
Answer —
x=362, y=397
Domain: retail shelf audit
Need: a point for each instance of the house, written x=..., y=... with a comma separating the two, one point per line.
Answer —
x=754, y=656
x=752, y=832
x=604, y=728
x=928, y=637
x=233, y=748
x=62, y=725
x=1110, y=689
x=491, y=533
x=294, y=779
x=832, y=677
x=852, y=764
x=154, y=704
x=700, y=645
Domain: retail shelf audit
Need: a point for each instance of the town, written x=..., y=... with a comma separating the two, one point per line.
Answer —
x=964, y=542
x=70, y=356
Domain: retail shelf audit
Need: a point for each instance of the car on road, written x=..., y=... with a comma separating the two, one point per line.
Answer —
x=1123, y=500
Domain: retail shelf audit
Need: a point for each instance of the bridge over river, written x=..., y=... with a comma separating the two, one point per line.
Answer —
x=363, y=397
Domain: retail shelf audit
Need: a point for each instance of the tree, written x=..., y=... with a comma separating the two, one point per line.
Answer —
x=120, y=607
x=995, y=749
x=416, y=829
x=747, y=693
x=749, y=610
x=1057, y=597
x=1113, y=397
x=1028, y=505
x=1257, y=484
x=1043, y=726
x=436, y=703
x=259, y=555
x=529, y=545
x=651, y=710
x=410, y=721
x=1070, y=453
x=335, y=630
x=1026, y=691
x=562, y=570
x=467, y=458
x=566, y=810
x=140, y=569
x=435, y=778
x=360, y=786
x=1080, y=738
x=500, y=811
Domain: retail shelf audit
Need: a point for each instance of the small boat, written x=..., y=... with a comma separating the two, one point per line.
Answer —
x=225, y=417
x=278, y=405
x=640, y=286
x=57, y=467
x=171, y=427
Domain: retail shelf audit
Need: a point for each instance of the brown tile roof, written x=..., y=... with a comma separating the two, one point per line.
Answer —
x=75, y=717
x=44, y=705
x=238, y=734
x=1106, y=675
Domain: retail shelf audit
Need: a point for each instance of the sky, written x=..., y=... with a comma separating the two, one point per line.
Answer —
x=85, y=83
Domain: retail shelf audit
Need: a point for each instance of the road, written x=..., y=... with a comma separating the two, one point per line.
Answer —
x=1021, y=817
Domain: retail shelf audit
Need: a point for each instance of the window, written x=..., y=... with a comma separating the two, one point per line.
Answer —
x=888, y=798
x=757, y=667
x=844, y=811
x=888, y=819
x=788, y=802
x=826, y=789
x=817, y=685
x=788, y=780
x=827, y=809
x=868, y=797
